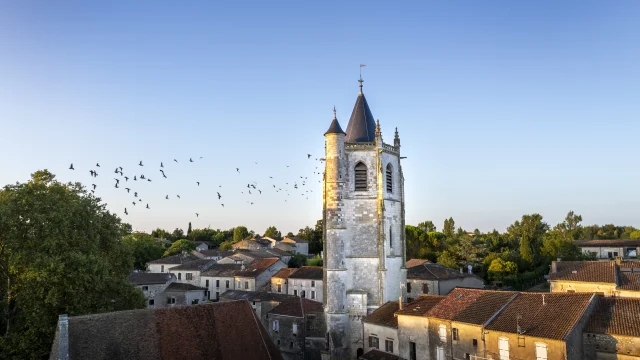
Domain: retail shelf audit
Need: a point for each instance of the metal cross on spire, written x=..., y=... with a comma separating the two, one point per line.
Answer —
x=361, y=81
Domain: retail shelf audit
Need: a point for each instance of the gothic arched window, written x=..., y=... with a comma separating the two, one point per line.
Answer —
x=361, y=177
x=389, y=178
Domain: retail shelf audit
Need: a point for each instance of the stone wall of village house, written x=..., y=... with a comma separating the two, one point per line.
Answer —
x=413, y=329
x=160, y=268
x=417, y=288
x=583, y=287
x=305, y=285
x=434, y=338
x=606, y=346
x=264, y=279
x=383, y=333
x=245, y=283
x=556, y=349
x=217, y=285
x=291, y=346
x=184, y=298
x=155, y=292
x=181, y=276
x=464, y=344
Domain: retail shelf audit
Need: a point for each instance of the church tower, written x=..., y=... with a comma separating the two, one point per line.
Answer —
x=364, y=239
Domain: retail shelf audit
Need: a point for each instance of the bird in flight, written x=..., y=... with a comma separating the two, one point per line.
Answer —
x=260, y=191
x=161, y=164
x=163, y=175
x=140, y=163
x=120, y=168
x=71, y=167
x=125, y=211
x=219, y=196
x=94, y=186
x=135, y=194
x=91, y=172
x=190, y=160
x=116, y=171
x=178, y=196
x=126, y=178
x=200, y=157
x=222, y=205
x=134, y=203
x=134, y=178
x=237, y=169
x=148, y=206
x=97, y=164
x=249, y=192
x=175, y=160
x=93, y=191
x=116, y=185
x=128, y=190
x=142, y=176
x=198, y=182
x=308, y=156
x=149, y=180
x=197, y=215
x=117, y=180
x=167, y=197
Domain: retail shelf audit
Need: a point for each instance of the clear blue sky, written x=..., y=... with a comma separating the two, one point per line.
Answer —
x=503, y=107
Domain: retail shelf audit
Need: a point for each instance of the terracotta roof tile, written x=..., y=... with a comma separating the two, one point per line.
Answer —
x=543, y=315
x=618, y=316
x=297, y=306
x=143, y=278
x=256, y=267
x=308, y=272
x=635, y=265
x=284, y=273
x=415, y=262
x=585, y=271
x=378, y=355
x=629, y=281
x=472, y=306
x=384, y=315
x=421, y=305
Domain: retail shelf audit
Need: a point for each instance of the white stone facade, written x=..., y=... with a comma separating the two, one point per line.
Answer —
x=310, y=289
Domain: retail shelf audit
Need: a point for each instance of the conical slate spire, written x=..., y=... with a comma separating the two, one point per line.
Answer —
x=334, y=128
x=362, y=126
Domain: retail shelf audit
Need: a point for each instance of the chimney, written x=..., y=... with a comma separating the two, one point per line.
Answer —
x=618, y=260
x=554, y=267
x=400, y=303
x=543, y=302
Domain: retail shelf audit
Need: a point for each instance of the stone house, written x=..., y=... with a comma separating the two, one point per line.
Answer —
x=307, y=282
x=152, y=285
x=181, y=294
x=280, y=280
x=435, y=279
x=381, y=329
x=605, y=278
x=219, y=278
x=211, y=254
x=288, y=247
x=261, y=302
x=610, y=249
x=252, y=244
x=285, y=256
x=413, y=326
x=167, y=334
x=297, y=327
x=256, y=276
x=613, y=330
x=189, y=273
x=301, y=245
x=273, y=241
x=244, y=256
x=456, y=323
x=164, y=264
x=204, y=245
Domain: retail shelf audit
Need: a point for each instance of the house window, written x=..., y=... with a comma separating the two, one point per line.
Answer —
x=302, y=293
x=425, y=288
x=227, y=284
x=246, y=285
x=313, y=294
x=188, y=276
x=408, y=287
x=290, y=344
x=194, y=302
x=442, y=332
x=171, y=300
x=179, y=276
x=313, y=283
x=388, y=346
x=239, y=284
x=503, y=348
x=389, y=178
x=279, y=288
x=278, y=342
x=440, y=353
x=475, y=342
x=454, y=334
x=151, y=302
x=217, y=283
x=295, y=329
x=541, y=351
x=412, y=351
x=361, y=177
x=207, y=284
x=217, y=295
x=275, y=325
x=467, y=356
x=295, y=292
x=373, y=342
x=145, y=288
x=161, y=268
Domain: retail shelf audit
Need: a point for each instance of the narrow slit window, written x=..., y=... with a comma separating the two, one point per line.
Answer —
x=389, y=178
x=361, y=177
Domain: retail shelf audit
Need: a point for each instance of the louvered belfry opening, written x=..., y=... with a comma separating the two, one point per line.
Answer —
x=361, y=177
x=389, y=179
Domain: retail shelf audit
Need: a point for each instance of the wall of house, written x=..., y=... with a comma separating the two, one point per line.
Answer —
x=417, y=288
x=283, y=285
x=291, y=346
x=182, y=277
x=464, y=344
x=525, y=348
x=213, y=289
x=241, y=283
x=157, y=268
x=305, y=284
x=434, y=340
x=382, y=333
x=565, y=286
x=264, y=279
x=413, y=329
x=155, y=292
x=184, y=298
x=606, y=346
x=446, y=286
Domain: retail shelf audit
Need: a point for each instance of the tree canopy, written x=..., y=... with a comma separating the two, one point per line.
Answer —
x=272, y=232
x=180, y=246
x=144, y=248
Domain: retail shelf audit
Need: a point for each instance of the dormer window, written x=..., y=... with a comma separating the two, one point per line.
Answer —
x=389, y=178
x=361, y=177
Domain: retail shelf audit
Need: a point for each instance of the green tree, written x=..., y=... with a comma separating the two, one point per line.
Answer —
x=500, y=268
x=556, y=245
x=240, y=233
x=180, y=246
x=144, y=249
x=529, y=233
x=272, y=232
x=635, y=235
x=449, y=227
x=189, y=229
x=297, y=260
x=427, y=226
x=227, y=245
x=60, y=253
x=160, y=233
x=290, y=234
x=177, y=234
x=314, y=236
x=448, y=259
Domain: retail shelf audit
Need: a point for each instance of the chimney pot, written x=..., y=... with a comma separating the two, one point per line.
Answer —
x=400, y=303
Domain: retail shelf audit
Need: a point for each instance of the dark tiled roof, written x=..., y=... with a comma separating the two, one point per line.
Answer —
x=254, y=254
x=630, y=265
x=284, y=273
x=421, y=305
x=208, y=243
x=190, y=332
x=254, y=295
x=430, y=271
x=174, y=259
x=182, y=287
x=543, y=315
x=334, y=128
x=256, y=267
x=378, y=355
x=297, y=306
x=308, y=272
x=222, y=270
x=629, y=281
x=285, y=246
x=362, y=125
x=296, y=239
x=585, y=271
x=384, y=315
x=278, y=252
x=143, y=278
x=472, y=306
x=618, y=316
x=415, y=262
x=199, y=265
x=616, y=242
x=212, y=253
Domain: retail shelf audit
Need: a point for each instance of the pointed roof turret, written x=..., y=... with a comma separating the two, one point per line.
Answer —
x=362, y=126
x=334, y=128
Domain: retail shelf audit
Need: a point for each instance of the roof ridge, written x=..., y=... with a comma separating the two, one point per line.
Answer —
x=429, y=270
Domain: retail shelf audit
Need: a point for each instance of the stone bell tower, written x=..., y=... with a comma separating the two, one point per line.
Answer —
x=364, y=239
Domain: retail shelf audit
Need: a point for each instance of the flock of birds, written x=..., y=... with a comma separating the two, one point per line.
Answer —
x=134, y=178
